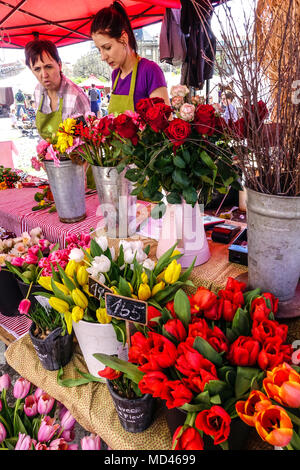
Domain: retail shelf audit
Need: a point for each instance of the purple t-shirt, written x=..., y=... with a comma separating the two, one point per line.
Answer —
x=149, y=77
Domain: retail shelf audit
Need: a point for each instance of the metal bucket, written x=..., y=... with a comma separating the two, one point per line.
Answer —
x=67, y=183
x=117, y=205
x=273, y=226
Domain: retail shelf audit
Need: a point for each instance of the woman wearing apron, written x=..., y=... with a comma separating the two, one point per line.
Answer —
x=56, y=97
x=133, y=77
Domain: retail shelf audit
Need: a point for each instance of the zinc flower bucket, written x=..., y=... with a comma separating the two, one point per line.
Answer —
x=96, y=338
x=67, y=183
x=117, y=205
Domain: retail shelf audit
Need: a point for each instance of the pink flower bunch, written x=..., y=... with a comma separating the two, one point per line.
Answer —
x=76, y=241
x=55, y=431
x=58, y=257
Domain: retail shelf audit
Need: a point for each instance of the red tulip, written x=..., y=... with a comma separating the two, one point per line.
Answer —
x=214, y=422
x=190, y=439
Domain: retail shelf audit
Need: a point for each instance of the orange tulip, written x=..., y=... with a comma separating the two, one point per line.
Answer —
x=282, y=384
x=274, y=426
x=247, y=410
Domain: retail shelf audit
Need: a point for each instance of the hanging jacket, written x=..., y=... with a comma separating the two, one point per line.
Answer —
x=172, y=44
x=200, y=42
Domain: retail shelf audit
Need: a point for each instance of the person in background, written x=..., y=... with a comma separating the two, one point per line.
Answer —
x=31, y=112
x=94, y=96
x=230, y=112
x=57, y=98
x=133, y=77
x=20, y=102
x=13, y=118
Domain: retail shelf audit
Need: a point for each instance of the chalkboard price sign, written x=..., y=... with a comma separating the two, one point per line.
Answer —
x=126, y=309
x=97, y=289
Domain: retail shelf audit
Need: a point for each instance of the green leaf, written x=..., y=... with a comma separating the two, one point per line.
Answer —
x=95, y=249
x=124, y=287
x=163, y=261
x=43, y=294
x=182, y=307
x=190, y=195
x=85, y=379
x=241, y=322
x=129, y=369
x=295, y=441
x=179, y=162
x=18, y=425
x=174, y=198
x=58, y=293
x=181, y=178
x=244, y=378
x=158, y=211
x=192, y=408
x=204, y=348
x=16, y=271
x=67, y=281
x=251, y=295
x=186, y=274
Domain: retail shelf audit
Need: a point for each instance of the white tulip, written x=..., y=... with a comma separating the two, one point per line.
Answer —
x=102, y=242
x=112, y=252
x=128, y=256
x=76, y=254
x=126, y=245
x=102, y=263
x=149, y=264
x=140, y=256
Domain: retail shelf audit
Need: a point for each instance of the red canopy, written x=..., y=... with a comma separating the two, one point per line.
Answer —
x=66, y=22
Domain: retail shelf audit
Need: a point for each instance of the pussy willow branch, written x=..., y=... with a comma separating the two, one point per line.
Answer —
x=266, y=61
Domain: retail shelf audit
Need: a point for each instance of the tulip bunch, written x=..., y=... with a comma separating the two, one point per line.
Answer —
x=205, y=352
x=275, y=413
x=37, y=421
x=13, y=249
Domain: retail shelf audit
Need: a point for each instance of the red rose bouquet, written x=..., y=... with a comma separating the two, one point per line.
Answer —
x=187, y=155
x=204, y=353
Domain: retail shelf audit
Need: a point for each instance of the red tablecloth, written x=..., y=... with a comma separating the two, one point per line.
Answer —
x=16, y=326
x=16, y=215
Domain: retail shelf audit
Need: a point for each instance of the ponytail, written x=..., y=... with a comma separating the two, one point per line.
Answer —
x=113, y=20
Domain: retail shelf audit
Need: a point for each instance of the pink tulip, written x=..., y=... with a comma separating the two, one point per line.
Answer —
x=40, y=446
x=0, y=405
x=17, y=261
x=45, y=404
x=24, y=442
x=4, y=382
x=43, y=243
x=73, y=447
x=2, y=433
x=33, y=250
x=24, y=306
x=68, y=435
x=47, y=429
x=91, y=442
x=21, y=388
x=30, y=406
x=30, y=258
x=58, y=444
x=67, y=421
x=38, y=393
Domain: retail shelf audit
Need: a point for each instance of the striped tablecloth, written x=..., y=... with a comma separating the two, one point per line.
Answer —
x=16, y=215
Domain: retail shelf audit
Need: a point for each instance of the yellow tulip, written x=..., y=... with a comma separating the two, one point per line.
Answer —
x=45, y=282
x=60, y=305
x=82, y=275
x=86, y=290
x=175, y=253
x=114, y=290
x=102, y=316
x=172, y=272
x=79, y=298
x=157, y=288
x=77, y=313
x=144, y=292
x=144, y=278
x=68, y=320
x=62, y=288
x=130, y=286
x=71, y=268
x=160, y=276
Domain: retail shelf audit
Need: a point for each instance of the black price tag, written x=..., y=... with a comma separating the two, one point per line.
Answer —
x=126, y=309
x=97, y=289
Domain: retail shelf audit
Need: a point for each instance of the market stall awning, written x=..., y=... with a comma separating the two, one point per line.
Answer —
x=92, y=80
x=67, y=22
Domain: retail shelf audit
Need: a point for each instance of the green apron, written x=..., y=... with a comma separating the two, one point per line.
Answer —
x=47, y=124
x=120, y=103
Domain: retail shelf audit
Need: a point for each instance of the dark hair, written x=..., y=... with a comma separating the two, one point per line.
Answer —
x=113, y=20
x=34, y=50
x=229, y=95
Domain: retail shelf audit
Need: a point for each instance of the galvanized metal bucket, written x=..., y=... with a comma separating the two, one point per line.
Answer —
x=117, y=205
x=67, y=183
x=273, y=232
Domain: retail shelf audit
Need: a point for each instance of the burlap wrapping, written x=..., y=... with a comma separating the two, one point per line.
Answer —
x=91, y=404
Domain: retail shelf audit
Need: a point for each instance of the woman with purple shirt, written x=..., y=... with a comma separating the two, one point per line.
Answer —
x=133, y=77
